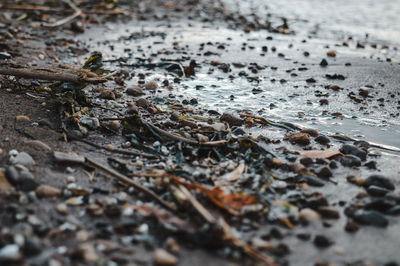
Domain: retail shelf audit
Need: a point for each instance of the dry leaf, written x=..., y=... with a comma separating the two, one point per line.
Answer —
x=320, y=154
x=231, y=177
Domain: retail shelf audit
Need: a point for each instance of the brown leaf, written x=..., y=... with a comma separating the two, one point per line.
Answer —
x=320, y=154
x=231, y=177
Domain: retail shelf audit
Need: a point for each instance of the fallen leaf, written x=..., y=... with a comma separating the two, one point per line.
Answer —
x=320, y=154
x=231, y=177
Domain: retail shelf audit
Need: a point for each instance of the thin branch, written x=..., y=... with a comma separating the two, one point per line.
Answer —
x=75, y=76
x=46, y=9
x=129, y=181
x=186, y=140
x=77, y=13
x=134, y=153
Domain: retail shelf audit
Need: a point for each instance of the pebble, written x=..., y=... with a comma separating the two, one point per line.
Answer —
x=163, y=257
x=22, y=119
x=310, y=131
x=350, y=161
x=322, y=139
x=351, y=227
x=381, y=204
x=62, y=208
x=328, y=212
x=10, y=252
x=47, y=191
x=134, y=91
x=353, y=150
x=322, y=241
x=152, y=85
x=379, y=181
x=90, y=122
x=323, y=63
x=26, y=181
x=312, y=181
x=331, y=53
x=394, y=211
x=143, y=103
x=22, y=158
x=71, y=157
x=324, y=172
x=373, y=218
x=231, y=119
x=108, y=95
x=298, y=138
x=377, y=191
x=77, y=27
x=12, y=175
x=309, y=215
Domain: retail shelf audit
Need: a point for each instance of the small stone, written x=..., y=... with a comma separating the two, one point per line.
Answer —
x=162, y=257
x=381, y=205
x=351, y=227
x=328, y=212
x=373, y=218
x=377, y=191
x=322, y=241
x=77, y=27
x=47, y=191
x=331, y=53
x=71, y=179
x=71, y=157
x=143, y=103
x=152, y=85
x=108, y=95
x=312, y=181
x=114, y=125
x=350, y=161
x=134, y=91
x=22, y=158
x=309, y=215
x=353, y=150
x=394, y=211
x=62, y=208
x=172, y=245
x=323, y=63
x=202, y=138
x=298, y=138
x=88, y=253
x=10, y=253
x=379, y=181
x=218, y=126
x=322, y=139
x=22, y=119
x=4, y=184
x=324, y=101
x=74, y=201
x=310, y=131
x=324, y=172
x=231, y=119
x=90, y=122
x=26, y=181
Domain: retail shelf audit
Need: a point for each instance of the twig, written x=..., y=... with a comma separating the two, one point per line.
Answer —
x=284, y=125
x=62, y=10
x=197, y=205
x=129, y=181
x=75, y=76
x=134, y=153
x=77, y=13
x=186, y=140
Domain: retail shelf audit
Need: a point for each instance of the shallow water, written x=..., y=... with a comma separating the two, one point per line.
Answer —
x=329, y=22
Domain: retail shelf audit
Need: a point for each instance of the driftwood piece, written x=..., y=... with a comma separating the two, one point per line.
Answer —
x=68, y=75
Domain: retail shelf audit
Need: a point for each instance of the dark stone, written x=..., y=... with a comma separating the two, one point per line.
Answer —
x=351, y=227
x=238, y=131
x=328, y=212
x=353, y=150
x=323, y=63
x=379, y=181
x=322, y=241
x=361, y=144
x=304, y=236
x=12, y=175
x=31, y=248
x=27, y=183
x=312, y=181
x=324, y=172
x=322, y=139
x=350, y=161
x=333, y=165
x=231, y=119
x=381, y=205
x=394, y=211
x=371, y=165
x=377, y=191
x=373, y=218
